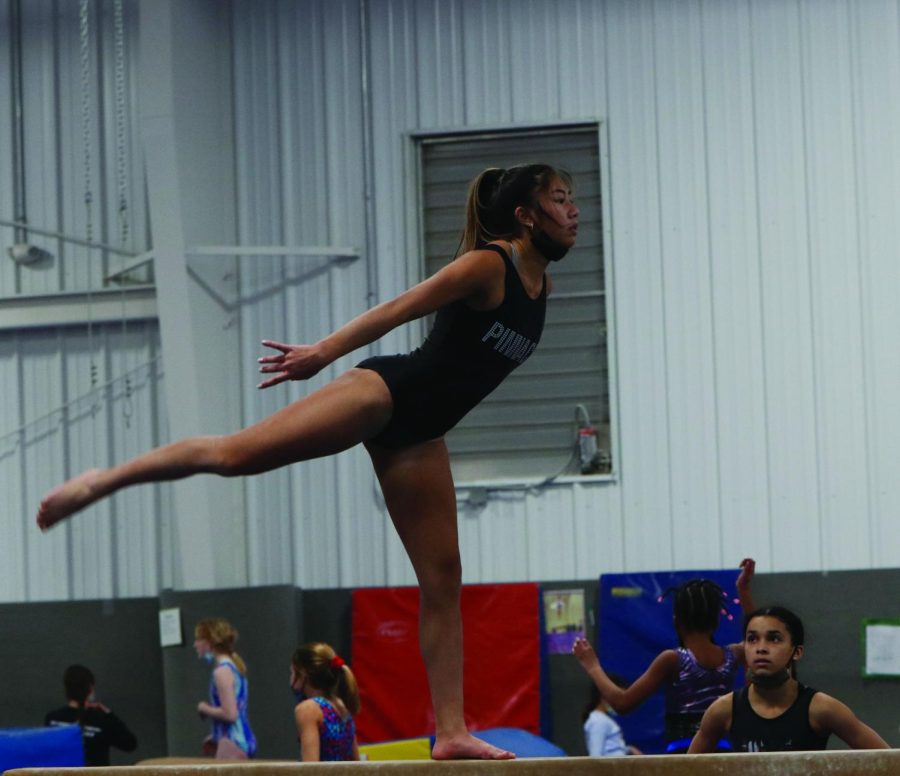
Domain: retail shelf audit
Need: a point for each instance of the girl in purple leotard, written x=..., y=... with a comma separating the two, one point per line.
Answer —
x=695, y=674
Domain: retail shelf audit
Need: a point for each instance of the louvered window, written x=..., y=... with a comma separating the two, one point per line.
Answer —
x=529, y=426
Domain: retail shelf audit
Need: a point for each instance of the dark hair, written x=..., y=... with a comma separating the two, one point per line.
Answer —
x=791, y=621
x=697, y=605
x=494, y=196
x=328, y=673
x=78, y=682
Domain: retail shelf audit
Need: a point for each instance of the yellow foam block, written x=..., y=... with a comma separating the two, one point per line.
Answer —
x=407, y=749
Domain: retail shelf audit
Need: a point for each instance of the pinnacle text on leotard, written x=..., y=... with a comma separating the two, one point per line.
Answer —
x=510, y=343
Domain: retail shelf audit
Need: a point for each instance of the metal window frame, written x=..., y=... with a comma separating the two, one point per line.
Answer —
x=413, y=142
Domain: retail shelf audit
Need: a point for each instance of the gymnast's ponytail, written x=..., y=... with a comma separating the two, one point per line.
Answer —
x=479, y=228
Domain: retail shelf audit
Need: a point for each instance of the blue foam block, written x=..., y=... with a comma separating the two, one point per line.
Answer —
x=40, y=747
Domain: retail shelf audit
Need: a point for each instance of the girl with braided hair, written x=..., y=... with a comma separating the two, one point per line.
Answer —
x=695, y=674
x=489, y=305
x=328, y=698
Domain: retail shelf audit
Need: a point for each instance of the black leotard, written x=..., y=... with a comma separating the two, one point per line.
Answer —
x=465, y=356
x=788, y=732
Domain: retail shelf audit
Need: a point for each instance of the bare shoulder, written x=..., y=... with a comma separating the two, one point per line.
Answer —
x=718, y=715
x=668, y=659
x=485, y=259
x=308, y=710
x=825, y=709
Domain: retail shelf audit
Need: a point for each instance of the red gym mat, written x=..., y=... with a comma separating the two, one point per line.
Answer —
x=501, y=633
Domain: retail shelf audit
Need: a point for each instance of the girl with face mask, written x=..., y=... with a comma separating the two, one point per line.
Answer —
x=489, y=304
x=775, y=712
x=231, y=737
x=327, y=698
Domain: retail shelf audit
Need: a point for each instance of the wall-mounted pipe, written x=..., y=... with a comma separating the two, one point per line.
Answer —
x=17, y=115
x=368, y=158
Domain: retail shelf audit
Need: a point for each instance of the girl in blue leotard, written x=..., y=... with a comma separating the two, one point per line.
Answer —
x=231, y=737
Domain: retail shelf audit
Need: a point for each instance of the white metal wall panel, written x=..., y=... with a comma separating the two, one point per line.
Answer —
x=644, y=471
x=60, y=418
x=876, y=73
x=734, y=268
x=832, y=191
x=753, y=175
x=300, y=123
x=793, y=513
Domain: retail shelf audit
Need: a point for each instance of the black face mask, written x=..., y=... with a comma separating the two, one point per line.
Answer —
x=549, y=248
x=772, y=680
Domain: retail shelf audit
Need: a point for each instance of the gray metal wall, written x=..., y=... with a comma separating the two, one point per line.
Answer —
x=753, y=175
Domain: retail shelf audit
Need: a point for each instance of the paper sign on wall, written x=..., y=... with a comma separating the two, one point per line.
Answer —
x=170, y=627
x=881, y=647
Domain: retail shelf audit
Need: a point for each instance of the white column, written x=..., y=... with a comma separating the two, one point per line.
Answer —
x=186, y=116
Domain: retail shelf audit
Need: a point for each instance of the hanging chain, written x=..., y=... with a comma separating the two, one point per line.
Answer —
x=84, y=31
x=121, y=177
x=120, y=108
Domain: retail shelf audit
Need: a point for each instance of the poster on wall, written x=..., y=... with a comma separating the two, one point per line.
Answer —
x=563, y=620
x=881, y=647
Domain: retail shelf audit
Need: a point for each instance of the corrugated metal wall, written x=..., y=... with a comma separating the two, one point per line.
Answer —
x=754, y=168
x=83, y=398
x=63, y=157
x=754, y=197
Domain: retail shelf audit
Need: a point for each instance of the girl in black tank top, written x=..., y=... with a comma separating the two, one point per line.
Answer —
x=486, y=325
x=776, y=713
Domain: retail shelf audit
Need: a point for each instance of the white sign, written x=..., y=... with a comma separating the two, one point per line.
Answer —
x=170, y=627
x=882, y=649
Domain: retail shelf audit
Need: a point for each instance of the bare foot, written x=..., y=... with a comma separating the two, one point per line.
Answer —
x=68, y=498
x=467, y=747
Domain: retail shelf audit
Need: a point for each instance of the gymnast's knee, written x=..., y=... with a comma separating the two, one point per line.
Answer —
x=226, y=458
x=441, y=583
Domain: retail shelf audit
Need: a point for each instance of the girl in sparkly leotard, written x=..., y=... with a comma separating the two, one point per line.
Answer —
x=328, y=698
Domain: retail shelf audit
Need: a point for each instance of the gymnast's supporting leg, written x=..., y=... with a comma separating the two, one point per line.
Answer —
x=419, y=493
x=343, y=413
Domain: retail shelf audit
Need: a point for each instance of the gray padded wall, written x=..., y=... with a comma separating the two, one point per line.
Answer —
x=119, y=642
x=327, y=617
x=268, y=620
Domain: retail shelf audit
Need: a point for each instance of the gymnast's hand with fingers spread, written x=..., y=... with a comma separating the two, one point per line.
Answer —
x=294, y=362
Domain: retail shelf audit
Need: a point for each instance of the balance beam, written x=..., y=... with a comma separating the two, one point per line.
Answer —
x=883, y=762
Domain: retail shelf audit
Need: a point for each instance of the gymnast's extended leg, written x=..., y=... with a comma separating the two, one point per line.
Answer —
x=343, y=413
